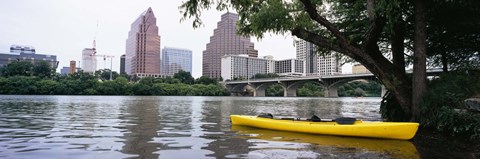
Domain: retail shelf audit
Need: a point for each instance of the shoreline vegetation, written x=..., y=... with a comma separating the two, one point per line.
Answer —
x=443, y=106
x=24, y=78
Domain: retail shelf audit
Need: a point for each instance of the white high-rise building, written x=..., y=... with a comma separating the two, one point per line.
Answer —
x=242, y=66
x=290, y=67
x=315, y=64
x=270, y=64
x=89, y=60
x=306, y=51
x=329, y=65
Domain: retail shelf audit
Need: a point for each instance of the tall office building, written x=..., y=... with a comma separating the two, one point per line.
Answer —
x=314, y=63
x=26, y=53
x=176, y=59
x=73, y=67
x=142, y=56
x=225, y=41
x=89, y=60
x=122, y=64
x=306, y=52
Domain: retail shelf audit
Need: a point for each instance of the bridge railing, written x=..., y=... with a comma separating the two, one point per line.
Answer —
x=309, y=76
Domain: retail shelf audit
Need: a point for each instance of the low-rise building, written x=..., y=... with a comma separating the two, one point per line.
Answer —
x=26, y=53
x=359, y=68
x=65, y=70
x=244, y=67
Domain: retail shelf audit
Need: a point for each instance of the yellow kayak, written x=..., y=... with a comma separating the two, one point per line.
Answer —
x=388, y=130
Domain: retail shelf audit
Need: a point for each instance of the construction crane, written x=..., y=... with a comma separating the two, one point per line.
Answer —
x=104, y=61
x=104, y=56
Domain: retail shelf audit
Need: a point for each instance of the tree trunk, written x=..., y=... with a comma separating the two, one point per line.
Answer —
x=369, y=55
x=444, y=61
x=419, y=81
x=393, y=78
x=397, y=41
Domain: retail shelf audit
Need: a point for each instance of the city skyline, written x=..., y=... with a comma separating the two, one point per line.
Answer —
x=65, y=28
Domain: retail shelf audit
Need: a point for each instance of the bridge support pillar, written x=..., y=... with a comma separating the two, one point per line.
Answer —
x=290, y=92
x=331, y=92
x=259, y=92
x=384, y=91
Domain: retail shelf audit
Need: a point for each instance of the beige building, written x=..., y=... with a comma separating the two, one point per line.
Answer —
x=142, y=56
x=73, y=67
x=358, y=68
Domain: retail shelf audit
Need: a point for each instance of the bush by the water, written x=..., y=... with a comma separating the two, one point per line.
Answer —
x=360, y=89
x=442, y=107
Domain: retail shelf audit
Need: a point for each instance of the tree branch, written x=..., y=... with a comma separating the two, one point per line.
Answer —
x=373, y=35
x=319, y=40
x=375, y=29
x=397, y=41
x=313, y=13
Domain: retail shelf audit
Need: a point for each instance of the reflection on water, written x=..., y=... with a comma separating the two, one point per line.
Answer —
x=141, y=122
x=321, y=146
x=179, y=127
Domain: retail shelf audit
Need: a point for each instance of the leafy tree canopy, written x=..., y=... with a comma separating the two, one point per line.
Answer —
x=184, y=77
x=27, y=68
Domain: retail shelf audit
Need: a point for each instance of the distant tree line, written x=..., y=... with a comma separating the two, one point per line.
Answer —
x=23, y=77
x=265, y=75
x=360, y=89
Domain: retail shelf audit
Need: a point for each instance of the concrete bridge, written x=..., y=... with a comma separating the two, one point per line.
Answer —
x=291, y=84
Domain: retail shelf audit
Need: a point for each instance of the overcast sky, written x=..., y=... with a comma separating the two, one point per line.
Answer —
x=65, y=27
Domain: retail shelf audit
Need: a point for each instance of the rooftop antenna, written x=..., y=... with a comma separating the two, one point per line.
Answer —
x=94, y=40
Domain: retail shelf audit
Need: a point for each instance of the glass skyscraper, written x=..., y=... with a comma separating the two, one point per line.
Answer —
x=176, y=59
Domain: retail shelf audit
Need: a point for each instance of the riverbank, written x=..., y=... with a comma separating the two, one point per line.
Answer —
x=434, y=144
x=443, y=107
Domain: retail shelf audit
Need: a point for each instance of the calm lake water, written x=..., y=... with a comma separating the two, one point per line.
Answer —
x=193, y=127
